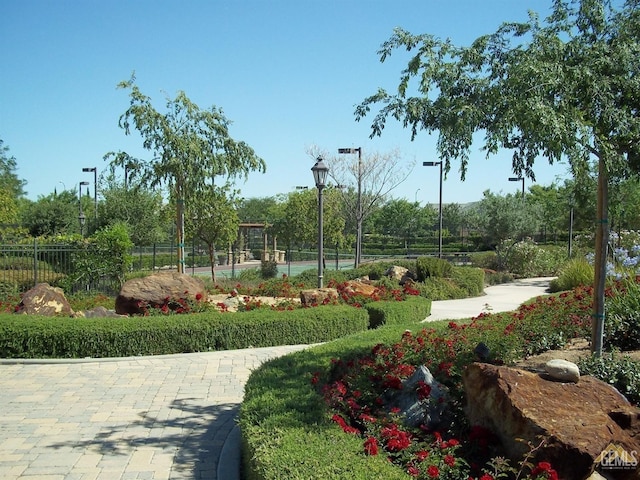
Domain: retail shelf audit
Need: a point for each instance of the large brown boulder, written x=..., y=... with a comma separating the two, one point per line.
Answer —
x=318, y=296
x=354, y=287
x=153, y=291
x=43, y=299
x=579, y=421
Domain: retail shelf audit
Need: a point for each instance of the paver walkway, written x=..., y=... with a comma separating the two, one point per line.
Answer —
x=146, y=418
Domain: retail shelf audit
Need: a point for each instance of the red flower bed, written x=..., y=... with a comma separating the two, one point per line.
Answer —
x=355, y=389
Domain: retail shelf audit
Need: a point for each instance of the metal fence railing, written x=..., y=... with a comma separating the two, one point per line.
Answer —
x=22, y=266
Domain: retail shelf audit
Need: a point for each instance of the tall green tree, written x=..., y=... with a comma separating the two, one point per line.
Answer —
x=9, y=180
x=453, y=219
x=625, y=198
x=504, y=220
x=190, y=147
x=551, y=208
x=213, y=218
x=11, y=192
x=566, y=87
x=53, y=214
x=581, y=195
x=257, y=210
x=296, y=222
x=404, y=219
x=141, y=209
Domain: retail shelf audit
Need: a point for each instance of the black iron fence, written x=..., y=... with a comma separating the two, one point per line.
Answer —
x=24, y=265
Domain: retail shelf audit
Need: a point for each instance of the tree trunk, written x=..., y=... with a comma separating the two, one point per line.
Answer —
x=602, y=241
x=180, y=231
x=212, y=260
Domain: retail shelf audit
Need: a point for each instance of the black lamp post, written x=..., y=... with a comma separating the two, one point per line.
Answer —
x=518, y=179
x=320, y=171
x=434, y=164
x=359, y=205
x=81, y=217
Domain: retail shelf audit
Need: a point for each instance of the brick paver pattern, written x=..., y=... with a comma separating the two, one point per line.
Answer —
x=147, y=418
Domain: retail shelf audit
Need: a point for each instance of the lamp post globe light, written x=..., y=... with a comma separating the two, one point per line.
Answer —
x=95, y=188
x=434, y=164
x=320, y=171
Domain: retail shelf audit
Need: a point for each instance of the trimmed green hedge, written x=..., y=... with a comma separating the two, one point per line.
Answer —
x=58, y=337
x=413, y=309
x=469, y=279
x=287, y=431
x=429, y=267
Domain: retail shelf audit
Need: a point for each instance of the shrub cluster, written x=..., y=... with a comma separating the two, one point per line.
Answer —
x=528, y=259
x=429, y=267
x=413, y=309
x=622, y=325
x=574, y=273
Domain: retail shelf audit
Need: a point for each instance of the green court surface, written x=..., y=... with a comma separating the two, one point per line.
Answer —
x=292, y=269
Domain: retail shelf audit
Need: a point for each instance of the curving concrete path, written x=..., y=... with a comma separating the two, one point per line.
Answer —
x=498, y=298
x=166, y=417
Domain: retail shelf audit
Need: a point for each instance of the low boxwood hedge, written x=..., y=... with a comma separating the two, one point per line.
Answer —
x=287, y=432
x=60, y=337
x=413, y=309
x=33, y=336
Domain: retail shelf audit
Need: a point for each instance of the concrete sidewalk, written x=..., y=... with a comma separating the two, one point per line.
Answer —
x=498, y=298
x=165, y=417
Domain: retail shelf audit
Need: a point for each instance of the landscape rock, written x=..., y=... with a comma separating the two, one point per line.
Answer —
x=232, y=303
x=408, y=277
x=415, y=406
x=395, y=272
x=154, y=289
x=563, y=370
x=363, y=279
x=579, y=421
x=97, y=312
x=596, y=476
x=317, y=296
x=43, y=299
x=353, y=287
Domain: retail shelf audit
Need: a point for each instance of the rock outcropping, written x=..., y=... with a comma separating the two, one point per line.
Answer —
x=581, y=423
x=318, y=296
x=43, y=299
x=152, y=291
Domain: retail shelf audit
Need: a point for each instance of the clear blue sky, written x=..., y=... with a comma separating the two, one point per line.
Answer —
x=287, y=73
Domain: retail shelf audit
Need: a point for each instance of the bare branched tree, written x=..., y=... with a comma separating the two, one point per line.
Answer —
x=365, y=179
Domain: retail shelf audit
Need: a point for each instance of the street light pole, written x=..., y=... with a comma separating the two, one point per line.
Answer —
x=434, y=164
x=95, y=188
x=320, y=171
x=518, y=179
x=81, y=216
x=358, y=259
